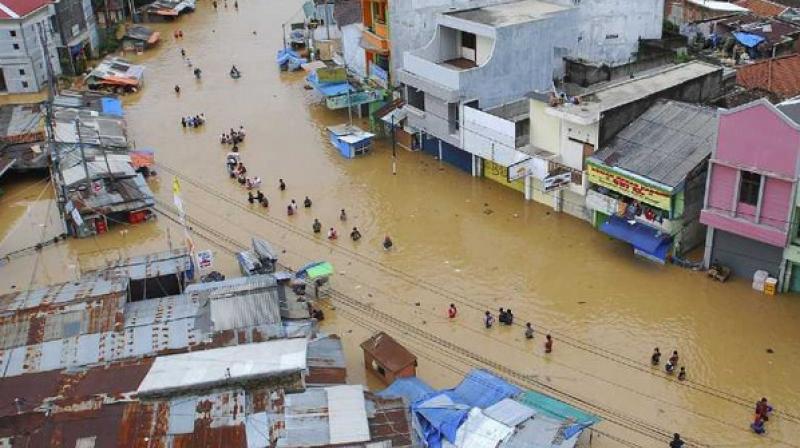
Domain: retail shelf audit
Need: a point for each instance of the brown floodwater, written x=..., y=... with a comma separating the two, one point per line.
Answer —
x=458, y=240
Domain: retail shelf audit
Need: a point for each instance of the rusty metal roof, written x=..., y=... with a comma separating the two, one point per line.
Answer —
x=388, y=352
x=326, y=362
x=62, y=294
x=150, y=266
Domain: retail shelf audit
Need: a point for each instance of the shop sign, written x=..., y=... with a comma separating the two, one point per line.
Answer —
x=354, y=99
x=532, y=167
x=557, y=181
x=205, y=259
x=379, y=75
x=636, y=190
x=601, y=203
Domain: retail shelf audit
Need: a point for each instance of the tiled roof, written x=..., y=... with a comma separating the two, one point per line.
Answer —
x=763, y=8
x=780, y=76
x=15, y=9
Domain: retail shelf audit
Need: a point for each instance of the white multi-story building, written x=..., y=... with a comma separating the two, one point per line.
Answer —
x=24, y=27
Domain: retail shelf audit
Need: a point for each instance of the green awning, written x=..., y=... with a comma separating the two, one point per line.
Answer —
x=321, y=270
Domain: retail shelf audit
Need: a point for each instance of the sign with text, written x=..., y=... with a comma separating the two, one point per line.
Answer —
x=379, y=75
x=604, y=177
x=205, y=259
x=557, y=181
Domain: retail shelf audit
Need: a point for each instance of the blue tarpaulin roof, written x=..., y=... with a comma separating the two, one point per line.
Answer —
x=111, y=106
x=328, y=89
x=412, y=389
x=747, y=39
x=482, y=389
x=642, y=237
x=439, y=417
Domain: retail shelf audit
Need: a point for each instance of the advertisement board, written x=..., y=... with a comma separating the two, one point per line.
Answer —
x=556, y=181
x=629, y=187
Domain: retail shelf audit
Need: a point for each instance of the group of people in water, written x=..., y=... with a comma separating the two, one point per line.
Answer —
x=193, y=121
x=505, y=317
x=671, y=365
x=234, y=137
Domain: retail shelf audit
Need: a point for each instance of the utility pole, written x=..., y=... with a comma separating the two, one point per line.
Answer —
x=283, y=27
x=394, y=148
x=52, y=148
x=83, y=154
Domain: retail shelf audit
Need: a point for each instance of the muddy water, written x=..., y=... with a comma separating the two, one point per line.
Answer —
x=458, y=240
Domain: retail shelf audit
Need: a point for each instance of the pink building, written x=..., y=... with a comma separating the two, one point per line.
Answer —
x=750, y=196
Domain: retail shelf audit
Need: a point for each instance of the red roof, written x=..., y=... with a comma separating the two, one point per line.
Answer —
x=14, y=9
x=763, y=8
x=780, y=76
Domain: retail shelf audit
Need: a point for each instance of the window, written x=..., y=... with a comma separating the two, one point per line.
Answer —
x=749, y=187
x=12, y=33
x=22, y=72
x=416, y=98
x=381, y=371
x=468, y=40
x=24, y=84
x=15, y=46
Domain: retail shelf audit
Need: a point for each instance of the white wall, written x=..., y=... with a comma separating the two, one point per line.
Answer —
x=351, y=48
x=29, y=57
x=484, y=46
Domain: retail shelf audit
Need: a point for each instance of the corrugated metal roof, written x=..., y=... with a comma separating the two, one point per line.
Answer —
x=257, y=427
x=480, y=431
x=347, y=414
x=509, y=412
x=541, y=432
x=305, y=420
x=242, y=303
x=151, y=265
x=663, y=144
x=207, y=368
x=86, y=289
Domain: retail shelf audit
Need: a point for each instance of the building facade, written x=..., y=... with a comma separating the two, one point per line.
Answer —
x=646, y=186
x=76, y=24
x=375, y=40
x=750, y=198
x=23, y=33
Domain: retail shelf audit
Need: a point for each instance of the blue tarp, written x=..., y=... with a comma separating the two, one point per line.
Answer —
x=328, y=89
x=440, y=416
x=287, y=57
x=111, y=106
x=646, y=239
x=412, y=389
x=748, y=40
x=482, y=389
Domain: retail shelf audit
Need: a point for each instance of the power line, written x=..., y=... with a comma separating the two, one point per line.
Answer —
x=578, y=344
x=411, y=329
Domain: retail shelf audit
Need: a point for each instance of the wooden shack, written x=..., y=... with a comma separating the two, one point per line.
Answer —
x=387, y=358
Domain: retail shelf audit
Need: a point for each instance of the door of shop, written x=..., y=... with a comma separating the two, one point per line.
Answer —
x=794, y=282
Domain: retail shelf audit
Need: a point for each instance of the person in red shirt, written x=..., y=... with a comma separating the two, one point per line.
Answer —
x=452, y=311
x=548, y=344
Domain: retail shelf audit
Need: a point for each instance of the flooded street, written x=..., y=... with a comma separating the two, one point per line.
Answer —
x=458, y=239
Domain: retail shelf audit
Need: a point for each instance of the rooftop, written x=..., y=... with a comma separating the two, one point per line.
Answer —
x=15, y=9
x=779, y=75
x=610, y=96
x=763, y=8
x=664, y=144
x=216, y=367
x=21, y=123
x=388, y=352
x=508, y=14
x=718, y=5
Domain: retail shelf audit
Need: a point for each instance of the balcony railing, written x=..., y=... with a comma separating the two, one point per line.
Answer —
x=376, y=38
x=429, y=70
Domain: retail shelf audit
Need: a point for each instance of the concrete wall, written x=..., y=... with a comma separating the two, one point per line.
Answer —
x=545, y=129
x=700, y=90
x=435, y=120
x=413, y=23
x=29, y=56
x=609, y=30
x=485, y=46
x=604, y=30
x=354, y=56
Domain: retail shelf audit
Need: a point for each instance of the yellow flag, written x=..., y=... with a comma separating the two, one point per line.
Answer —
x=176, y=186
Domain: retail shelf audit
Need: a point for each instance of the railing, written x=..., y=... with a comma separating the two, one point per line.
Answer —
x=374, y=40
